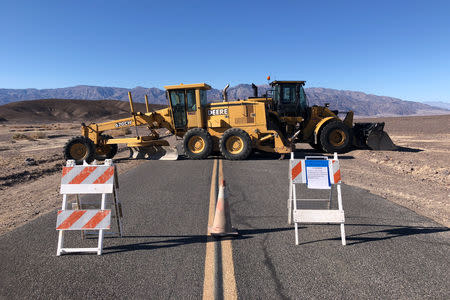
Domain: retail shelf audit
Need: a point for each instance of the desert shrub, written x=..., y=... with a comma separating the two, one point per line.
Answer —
x=21, y=136
x=38, y=135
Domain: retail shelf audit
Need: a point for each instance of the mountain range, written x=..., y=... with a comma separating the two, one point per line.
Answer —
x=361, y=103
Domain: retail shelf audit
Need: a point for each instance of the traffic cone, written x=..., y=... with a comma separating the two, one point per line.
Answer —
x=222, y=220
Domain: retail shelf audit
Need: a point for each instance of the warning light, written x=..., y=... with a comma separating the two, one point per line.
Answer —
x=268, y=77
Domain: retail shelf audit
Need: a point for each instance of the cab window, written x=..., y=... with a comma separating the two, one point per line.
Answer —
x=190, y=97
x=288, y=94
x=203, y=98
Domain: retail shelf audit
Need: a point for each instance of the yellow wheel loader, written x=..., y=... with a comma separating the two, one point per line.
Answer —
x=232, y=128
x=290, y=113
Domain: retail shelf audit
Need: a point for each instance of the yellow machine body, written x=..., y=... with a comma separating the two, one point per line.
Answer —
x=188, y=109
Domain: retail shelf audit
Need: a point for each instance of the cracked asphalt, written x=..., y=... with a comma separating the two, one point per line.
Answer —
x=391, y=252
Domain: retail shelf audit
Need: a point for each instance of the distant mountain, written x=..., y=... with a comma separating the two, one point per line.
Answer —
x=440, y=104
x=362, y=104
x=67, y=110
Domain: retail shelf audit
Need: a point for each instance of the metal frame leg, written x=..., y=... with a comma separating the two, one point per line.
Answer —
x=61, y=232
x=338, y=187
x=101, y=233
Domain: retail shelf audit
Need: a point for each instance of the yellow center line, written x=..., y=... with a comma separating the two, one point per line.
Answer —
x=229, y=280
x=228, y=277
x=208, y=281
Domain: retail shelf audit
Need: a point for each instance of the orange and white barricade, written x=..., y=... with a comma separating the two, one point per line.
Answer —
x=88, y=179
x=316, y=172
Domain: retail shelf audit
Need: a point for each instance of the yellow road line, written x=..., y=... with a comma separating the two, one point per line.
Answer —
x=229, y=280
x=208, y=281
x=228, y=277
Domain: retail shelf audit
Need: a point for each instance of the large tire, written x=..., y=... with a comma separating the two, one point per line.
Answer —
x=197, y=143
x=105, y=151
x=79, y=148
x=235, y=144
x=335, y=137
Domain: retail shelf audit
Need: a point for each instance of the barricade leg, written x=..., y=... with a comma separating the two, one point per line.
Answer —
x=118, y=210
x=338, y=187
x=61, y=232
x=100, y=234
x=294, y=202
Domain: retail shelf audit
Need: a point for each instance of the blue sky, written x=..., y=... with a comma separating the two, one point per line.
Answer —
x=391, y=48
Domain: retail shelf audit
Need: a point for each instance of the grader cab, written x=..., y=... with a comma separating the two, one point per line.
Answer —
x=232, y=128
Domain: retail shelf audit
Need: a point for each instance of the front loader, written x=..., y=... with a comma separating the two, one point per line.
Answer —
x=319, y=126
x=233, y=129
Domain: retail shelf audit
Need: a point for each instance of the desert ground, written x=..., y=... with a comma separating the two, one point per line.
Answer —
x=416, y=175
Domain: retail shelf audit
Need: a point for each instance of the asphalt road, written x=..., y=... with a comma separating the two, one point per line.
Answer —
x=391, y=253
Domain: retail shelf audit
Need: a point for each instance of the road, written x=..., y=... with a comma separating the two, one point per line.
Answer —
x=166, y=253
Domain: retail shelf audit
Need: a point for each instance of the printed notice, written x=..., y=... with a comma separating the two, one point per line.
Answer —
x=317, y=174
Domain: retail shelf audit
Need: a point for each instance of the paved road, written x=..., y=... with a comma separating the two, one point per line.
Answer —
x=391, y=253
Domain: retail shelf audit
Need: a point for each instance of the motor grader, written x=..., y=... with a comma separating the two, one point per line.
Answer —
x=289, y=112
x=232, y=128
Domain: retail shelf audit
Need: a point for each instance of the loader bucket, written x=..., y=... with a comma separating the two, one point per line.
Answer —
x=372, y=136
x=158, y=150
x=380, y=140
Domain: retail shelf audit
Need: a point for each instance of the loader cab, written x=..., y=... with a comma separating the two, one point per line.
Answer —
x=187, y=103
x=289, y=98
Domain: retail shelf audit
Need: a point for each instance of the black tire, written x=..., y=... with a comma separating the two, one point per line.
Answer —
x=197, y=143
x=315, y=146
x=335, y=137
x=79, y=148
x=105, y=151
x=237, y=139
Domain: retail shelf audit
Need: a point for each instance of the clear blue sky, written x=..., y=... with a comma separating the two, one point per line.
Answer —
x=392, y=48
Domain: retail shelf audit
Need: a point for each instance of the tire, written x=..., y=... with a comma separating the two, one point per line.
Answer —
x=235, y=144
x=79, y=148
x=335, y=137
x=197, y=143
x=105, y=151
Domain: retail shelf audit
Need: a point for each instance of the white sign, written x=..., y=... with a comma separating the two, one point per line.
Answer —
x=317, y=177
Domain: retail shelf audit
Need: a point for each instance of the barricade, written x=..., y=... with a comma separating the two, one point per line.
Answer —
x=88, y=179
x=315, y=172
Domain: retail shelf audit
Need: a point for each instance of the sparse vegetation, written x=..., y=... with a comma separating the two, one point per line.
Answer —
x=35, y=135
x=38, y=135
x=21, y=136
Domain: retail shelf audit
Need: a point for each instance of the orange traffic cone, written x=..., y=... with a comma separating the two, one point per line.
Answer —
x=222, y=219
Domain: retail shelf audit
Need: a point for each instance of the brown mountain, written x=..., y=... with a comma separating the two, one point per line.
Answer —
x=362, y=104
x=66, y=110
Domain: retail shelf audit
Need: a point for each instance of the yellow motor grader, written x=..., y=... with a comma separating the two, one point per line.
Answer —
x=290, y=113
x=232, y=128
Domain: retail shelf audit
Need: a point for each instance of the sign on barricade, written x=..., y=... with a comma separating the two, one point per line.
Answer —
x=88, y=179
x=315, y=172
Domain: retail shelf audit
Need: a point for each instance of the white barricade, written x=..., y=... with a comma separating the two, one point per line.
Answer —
x=316, y=172
x=88, y=179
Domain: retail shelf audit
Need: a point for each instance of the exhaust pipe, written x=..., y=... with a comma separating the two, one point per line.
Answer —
x=255, y=90
x=224, y=93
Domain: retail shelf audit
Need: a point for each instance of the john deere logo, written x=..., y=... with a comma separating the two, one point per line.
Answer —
x=218, y=112
x=124, y=123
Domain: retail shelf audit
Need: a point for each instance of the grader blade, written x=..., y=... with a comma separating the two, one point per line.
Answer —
x=154, y=152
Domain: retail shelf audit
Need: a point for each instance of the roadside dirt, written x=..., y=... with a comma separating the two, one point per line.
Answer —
x=416, y=176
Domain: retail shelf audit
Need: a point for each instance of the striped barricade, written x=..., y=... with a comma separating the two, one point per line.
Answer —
x=315, y=172
x=88, y=179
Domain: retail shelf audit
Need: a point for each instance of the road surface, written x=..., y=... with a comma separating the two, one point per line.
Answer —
x=166, y=253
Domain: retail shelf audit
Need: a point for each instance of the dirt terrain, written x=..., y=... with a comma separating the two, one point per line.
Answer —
x=416, y=176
